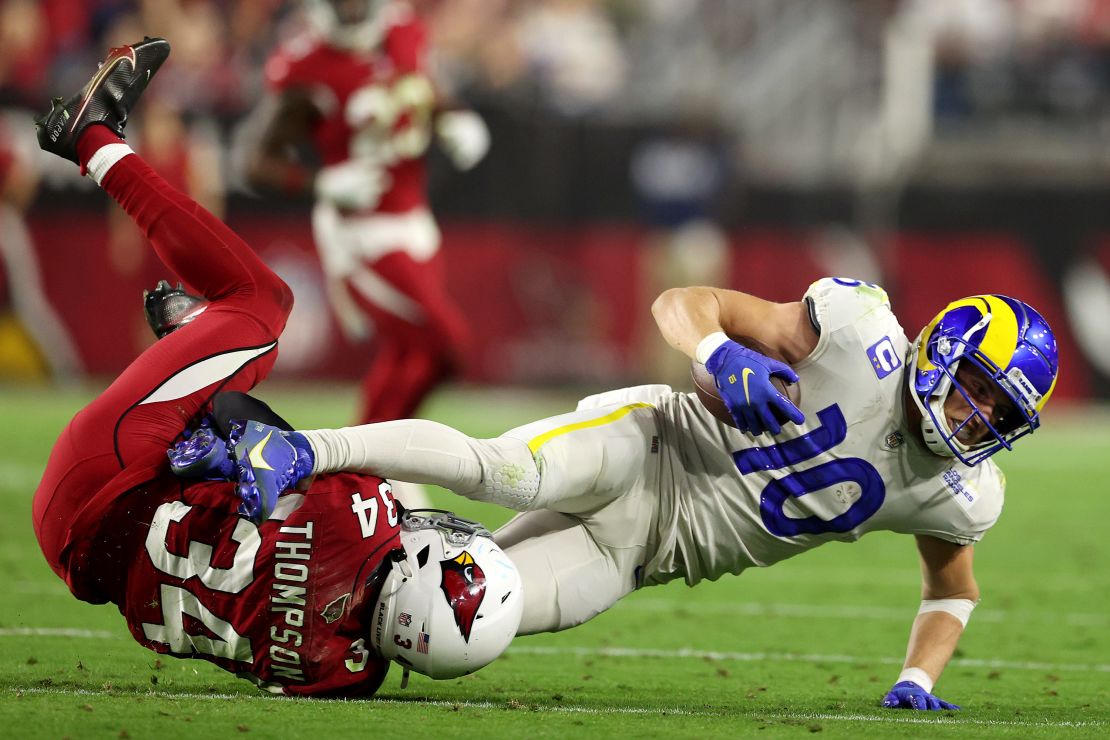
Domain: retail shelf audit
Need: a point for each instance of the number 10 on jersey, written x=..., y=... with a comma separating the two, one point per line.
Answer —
x=831, y=432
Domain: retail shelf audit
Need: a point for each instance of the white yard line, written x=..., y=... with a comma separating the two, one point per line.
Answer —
x=892, y=718
x=688, y=653
x=57, y=632
x=917, y=719
x=676, y=654
x=823, y=611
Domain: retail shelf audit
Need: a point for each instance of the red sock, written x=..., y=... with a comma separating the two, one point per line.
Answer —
x=91, y=139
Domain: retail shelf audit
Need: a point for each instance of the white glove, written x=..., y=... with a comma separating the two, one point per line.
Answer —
x=354, y=185
x=463, y=136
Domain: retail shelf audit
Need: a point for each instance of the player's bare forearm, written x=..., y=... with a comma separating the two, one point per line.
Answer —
x=273, y=165
x=933, y=639
x=687, y=315
x=948, y=592
x=277, y=174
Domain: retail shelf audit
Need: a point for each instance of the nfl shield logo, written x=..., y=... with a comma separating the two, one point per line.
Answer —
x=405, y=619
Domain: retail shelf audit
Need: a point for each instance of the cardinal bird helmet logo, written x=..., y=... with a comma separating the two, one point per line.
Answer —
x=464, y=586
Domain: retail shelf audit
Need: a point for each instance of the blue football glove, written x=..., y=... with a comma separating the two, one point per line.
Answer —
x=268, y=462
x=743, y=377
x=908, y=695
x=202, y=453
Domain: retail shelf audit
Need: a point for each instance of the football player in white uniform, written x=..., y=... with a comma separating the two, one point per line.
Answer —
x=644, y=485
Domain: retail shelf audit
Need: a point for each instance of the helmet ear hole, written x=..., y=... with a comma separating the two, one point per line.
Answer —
x=422, y=556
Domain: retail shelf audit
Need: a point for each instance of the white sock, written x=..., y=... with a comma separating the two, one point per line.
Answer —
x=104, y=158
x=501, y=471
x=412, y=450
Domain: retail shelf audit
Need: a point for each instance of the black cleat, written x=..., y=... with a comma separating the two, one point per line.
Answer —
x=107, y=98
x=167, y=309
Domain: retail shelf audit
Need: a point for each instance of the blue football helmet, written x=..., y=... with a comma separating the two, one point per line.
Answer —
x=1001, y=337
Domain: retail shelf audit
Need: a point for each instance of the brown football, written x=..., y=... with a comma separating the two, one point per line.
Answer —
x=706, y=387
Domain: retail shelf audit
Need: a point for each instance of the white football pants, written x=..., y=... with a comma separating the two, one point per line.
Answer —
x=586, y=483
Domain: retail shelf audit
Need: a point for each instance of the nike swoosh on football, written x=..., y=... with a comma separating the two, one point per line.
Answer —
x=748, y=372
x=101, y=74
x=255, y=455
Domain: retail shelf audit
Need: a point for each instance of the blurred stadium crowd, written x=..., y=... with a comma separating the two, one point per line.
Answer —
x=836, y=123
x=743, y=66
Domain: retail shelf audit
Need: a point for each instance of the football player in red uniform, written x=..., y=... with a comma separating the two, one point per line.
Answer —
x=355, y=89
x=318, y=591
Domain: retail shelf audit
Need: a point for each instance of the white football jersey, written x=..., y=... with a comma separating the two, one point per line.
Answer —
x=731, y=501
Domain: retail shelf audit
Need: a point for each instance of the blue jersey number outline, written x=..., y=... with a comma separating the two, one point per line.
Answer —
x=831, y=432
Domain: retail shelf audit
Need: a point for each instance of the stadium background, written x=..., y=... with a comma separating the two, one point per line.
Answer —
x=938, y=147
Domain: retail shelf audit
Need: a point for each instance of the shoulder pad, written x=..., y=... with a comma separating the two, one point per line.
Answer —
x=838, y=301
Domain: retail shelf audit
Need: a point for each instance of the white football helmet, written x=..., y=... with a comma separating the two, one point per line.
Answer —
x=355, y=25
x=452, y=603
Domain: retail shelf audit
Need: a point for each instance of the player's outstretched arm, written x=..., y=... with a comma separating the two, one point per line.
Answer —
x=289, y=119
x=949, y=593
x=701, y=321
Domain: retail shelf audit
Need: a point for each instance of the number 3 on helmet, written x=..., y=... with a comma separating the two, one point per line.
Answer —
x=1002, y=337
x=452, y=601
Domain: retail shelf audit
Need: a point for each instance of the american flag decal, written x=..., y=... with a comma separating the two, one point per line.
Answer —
x=422, y=643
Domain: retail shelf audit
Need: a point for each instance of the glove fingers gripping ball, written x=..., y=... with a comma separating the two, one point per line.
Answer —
x=705, y=386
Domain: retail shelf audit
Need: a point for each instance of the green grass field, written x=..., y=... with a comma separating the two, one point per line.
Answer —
x=806, y=647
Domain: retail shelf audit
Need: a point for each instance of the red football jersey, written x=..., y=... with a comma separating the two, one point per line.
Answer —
x=284, y=605
x=376, y=106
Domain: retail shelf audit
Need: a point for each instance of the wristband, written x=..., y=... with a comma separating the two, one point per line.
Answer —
x=707, y=346
x=918, y=676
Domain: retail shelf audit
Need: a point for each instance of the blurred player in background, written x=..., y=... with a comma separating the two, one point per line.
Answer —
x=312, y=595
x=642, y=486
x=33, y=341
x=356, y=92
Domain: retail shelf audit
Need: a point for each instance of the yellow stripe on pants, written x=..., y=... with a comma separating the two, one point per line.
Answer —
x=536, y=443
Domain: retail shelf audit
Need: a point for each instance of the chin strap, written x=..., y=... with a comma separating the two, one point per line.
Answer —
x=405, y=678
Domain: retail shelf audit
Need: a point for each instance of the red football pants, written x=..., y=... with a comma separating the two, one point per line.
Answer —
x=409, y=358
x=119, y=440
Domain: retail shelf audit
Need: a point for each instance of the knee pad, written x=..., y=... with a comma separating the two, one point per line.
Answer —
x=510, y=475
